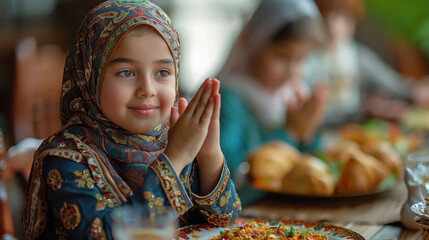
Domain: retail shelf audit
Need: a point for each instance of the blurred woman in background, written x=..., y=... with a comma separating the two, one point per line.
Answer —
x=263, y=98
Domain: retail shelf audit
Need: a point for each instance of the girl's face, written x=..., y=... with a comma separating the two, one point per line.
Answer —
x=139, y=85
x=280, y=62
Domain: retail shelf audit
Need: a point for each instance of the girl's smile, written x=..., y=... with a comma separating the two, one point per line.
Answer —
x=145, y=109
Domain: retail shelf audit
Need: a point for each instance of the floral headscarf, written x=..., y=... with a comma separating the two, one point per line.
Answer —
x=118, y=160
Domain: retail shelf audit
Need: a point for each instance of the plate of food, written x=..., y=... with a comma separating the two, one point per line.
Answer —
x=421, y=209
x=361, y=160
x=343, y=171
x=261, y=230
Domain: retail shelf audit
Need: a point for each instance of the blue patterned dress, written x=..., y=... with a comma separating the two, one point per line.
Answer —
x=80, y=174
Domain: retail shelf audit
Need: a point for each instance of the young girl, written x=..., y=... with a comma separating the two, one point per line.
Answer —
x=119, y=87
x=262, y=77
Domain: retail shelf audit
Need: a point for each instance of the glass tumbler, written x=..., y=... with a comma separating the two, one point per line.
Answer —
x=417, y=182
x=134, y=222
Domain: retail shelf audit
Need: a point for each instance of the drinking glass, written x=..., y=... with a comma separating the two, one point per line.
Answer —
x=417, y=182
x=417, y=170
x=134, y=222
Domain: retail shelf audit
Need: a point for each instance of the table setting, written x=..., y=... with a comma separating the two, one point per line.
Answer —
x=375, y=212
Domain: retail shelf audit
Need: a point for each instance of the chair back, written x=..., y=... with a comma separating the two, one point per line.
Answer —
x=37, y=90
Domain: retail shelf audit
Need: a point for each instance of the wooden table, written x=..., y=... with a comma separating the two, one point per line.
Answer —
x=375, y=216
x=380, y=231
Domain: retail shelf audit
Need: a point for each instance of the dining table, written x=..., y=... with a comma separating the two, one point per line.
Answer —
x=375, y=216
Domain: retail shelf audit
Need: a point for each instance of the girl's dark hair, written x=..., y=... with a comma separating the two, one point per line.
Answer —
x=304, y=29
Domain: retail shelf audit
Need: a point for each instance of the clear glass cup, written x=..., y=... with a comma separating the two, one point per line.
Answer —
x=134, y=222
x=417, y=182
x=417, y=169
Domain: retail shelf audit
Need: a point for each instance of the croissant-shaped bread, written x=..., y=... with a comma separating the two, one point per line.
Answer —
x=384, y=152
x=356, y=133
x=341, y=151
x=361, y=173
x=310, y=176
x=272, y=160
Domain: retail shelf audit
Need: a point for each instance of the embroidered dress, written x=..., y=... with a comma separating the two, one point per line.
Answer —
x=92, y=166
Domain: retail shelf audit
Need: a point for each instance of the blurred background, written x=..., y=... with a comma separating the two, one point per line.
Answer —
x=397, y=30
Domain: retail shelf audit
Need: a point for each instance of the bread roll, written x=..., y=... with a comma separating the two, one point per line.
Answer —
x=384, y=152
x=272, y=160
x=268, y=184
x=356, y=133
x=341, y=151
x=361, y=173
x=310, y=176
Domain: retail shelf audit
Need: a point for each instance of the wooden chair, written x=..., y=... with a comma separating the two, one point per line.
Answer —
x=37, y=89
x=6, y=221
x=35, y=108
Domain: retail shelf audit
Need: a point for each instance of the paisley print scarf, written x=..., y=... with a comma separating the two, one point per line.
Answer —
x=118, y=160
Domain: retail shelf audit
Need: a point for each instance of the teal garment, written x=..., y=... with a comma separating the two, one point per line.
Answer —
x=241, y=132
x=78, y=208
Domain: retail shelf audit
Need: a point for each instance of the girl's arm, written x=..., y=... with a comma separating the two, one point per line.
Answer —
x=189, y=126
x=210, y=157
x=195, y=132
x=82, y=210
x=219, y=207
x=212, y=188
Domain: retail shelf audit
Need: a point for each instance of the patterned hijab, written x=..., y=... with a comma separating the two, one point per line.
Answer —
x=117, y=159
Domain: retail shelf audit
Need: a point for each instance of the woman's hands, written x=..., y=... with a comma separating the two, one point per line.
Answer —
x=303, y=121
x=195, y=131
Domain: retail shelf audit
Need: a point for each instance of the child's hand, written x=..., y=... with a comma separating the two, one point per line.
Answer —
x=211, y=145
x=210, y=156
x=190, y=126
x=300, y=93
x=304, y=121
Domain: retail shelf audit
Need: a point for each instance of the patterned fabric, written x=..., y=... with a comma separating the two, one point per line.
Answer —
x=70, y=215
x=84, y=179
x=75, y=210
x=97, y=231
x=92, y=166
x=87, y=135
x=54, y=179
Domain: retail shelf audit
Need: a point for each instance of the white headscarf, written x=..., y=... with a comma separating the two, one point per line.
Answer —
x=268, y=19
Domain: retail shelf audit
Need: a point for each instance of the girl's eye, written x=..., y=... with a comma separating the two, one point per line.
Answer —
x=163, y=73
x=126, y=73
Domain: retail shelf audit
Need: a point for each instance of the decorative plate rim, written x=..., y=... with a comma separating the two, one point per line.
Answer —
x=326, y=228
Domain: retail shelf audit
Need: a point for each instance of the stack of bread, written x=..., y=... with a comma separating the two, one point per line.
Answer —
x=363, y=167
x=277, y=166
